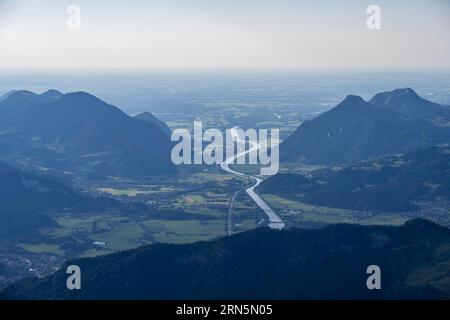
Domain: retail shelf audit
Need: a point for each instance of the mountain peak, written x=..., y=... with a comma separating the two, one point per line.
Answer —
x=52, y=93
x=6, y=95
x=406, y=102
x=16, y=93
x=405, y=91
x=356, y=130
x=80, y=94
x=149, y=117
x=354, y=99
x=25, y=97
x=103, y=139
x=351, y=101
x=19, y=97
x=396, y=96
x=144, y=114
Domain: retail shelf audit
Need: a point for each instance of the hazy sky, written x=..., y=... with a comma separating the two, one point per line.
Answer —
x=224, y=34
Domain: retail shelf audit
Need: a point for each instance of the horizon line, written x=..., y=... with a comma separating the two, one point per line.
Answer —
x=229, y=69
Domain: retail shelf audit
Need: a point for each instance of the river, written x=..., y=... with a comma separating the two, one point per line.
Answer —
x=275, y=222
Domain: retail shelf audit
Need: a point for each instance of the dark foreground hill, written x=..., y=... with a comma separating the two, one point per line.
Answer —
x=329, y=263
x=80, y=133
x=387, y=184
x=355, y=130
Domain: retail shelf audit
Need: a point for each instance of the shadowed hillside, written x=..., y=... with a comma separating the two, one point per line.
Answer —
x=329, y=263
x=354, y=130
x=26, y=201
x=80, y=133
x=386, y=184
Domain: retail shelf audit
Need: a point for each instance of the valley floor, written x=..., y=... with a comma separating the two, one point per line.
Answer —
x=193, y=206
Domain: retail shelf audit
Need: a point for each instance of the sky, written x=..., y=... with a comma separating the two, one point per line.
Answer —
x=227, y=34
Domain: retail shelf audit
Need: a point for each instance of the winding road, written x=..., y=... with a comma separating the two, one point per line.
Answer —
x=275, y=221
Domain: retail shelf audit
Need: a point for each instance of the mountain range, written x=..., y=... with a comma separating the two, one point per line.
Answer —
x=390, y=123
x=79, y=133
x=327, y=263
x=393, y=184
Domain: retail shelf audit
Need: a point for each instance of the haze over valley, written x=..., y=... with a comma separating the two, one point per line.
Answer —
x=82, y=178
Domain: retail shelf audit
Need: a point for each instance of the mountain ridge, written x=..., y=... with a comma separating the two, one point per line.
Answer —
x=327, y=263
x=392, y=184
x=356, y=130
x=83, y=134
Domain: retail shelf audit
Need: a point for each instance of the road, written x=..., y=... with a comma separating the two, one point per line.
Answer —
x=275, y=221
x=230, y=213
